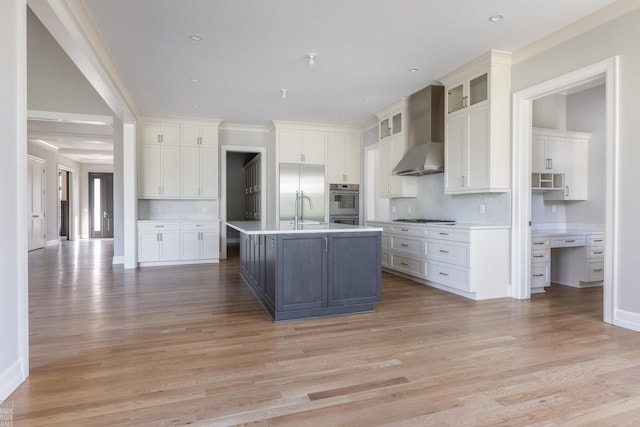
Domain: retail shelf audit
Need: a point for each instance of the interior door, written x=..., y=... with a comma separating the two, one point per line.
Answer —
x=35, y=183
x=100, y=205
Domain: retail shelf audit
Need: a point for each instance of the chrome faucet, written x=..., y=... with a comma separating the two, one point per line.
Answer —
x=300, y=196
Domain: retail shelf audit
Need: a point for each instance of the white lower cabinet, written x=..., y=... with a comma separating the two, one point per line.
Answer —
x=158, y=242
x=200, y=241
x=178, y=242
x=469, y=261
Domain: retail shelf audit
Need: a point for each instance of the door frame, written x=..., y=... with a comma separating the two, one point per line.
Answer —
x=91, y=204
x=73, y=194
x=521, y=185
x=223, y=188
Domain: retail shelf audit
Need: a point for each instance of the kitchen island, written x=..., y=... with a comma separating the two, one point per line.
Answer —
x=315, y=270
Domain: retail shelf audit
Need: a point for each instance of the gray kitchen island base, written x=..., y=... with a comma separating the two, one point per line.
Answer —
x=304, y=275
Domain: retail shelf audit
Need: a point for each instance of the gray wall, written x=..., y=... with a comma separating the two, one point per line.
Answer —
x=617, y=38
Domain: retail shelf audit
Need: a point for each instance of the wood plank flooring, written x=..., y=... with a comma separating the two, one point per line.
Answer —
x=190, y=345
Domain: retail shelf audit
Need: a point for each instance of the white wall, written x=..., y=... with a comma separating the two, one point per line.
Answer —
x=51, y=187
x=586, y=113
x=84, y=170
x=618, y=37
x=14, y=318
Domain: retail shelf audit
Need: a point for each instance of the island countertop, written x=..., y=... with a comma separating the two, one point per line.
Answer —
x=258, y=227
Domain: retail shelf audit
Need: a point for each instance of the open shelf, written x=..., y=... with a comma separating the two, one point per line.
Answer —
x=545, y=181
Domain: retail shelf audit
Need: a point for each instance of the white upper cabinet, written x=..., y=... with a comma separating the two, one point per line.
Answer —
x=547, y=153
x=160, y=133
x=563, y=153
x=178, y=160
x=199, y=135
x=344, y=152
x=302, y=145
x=477, y=129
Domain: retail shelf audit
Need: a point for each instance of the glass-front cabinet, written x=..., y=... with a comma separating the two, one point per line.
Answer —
x=468, y=93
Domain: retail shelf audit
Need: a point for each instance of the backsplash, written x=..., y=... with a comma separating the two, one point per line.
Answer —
x=464, y=208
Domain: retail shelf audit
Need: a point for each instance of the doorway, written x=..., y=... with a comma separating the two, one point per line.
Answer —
x=100, y=205
x=36, y=199
x=522, y=154
x=64, y=201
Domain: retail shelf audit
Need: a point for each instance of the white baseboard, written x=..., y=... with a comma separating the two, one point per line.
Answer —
x=117, y=260
x=53, y=242
x=11, y=378
x=627, y=319
x=84, y=236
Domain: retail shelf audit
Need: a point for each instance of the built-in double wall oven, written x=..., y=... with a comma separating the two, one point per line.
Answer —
x=344, y=204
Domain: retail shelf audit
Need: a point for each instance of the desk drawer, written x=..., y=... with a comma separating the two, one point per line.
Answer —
x=407, y=265
x=595, y=271
x=540, y=255
x=540, y=275
x=539, y=243
x=568, y=241
x=597, y=253
x=448, y=252
x=594, y=240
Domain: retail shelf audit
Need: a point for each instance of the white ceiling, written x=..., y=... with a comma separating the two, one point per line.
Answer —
x=251, y=49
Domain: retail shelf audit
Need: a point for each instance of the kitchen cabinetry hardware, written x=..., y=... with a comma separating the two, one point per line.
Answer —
x=444, y=252
x=443, y=274
x=538, y=275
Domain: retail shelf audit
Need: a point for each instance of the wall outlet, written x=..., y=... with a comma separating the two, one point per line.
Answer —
x=409, y=209
x=393, y=209
x=483, y=208
x=553, y=208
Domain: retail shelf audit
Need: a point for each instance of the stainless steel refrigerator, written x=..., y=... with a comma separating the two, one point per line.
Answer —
x=306, y=178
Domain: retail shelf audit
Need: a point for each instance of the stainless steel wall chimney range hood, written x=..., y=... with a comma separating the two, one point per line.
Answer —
x=426, y=133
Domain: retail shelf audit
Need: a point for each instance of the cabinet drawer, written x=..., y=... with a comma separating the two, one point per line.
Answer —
x=595, y=271
x=597, y=253
x=448, y=252
x=540, y=275
x=198, y=226
x=454, y=235
x=406, y=230
x=447, y=275
x=568, y=241
x=407, y=265
x=539, y=243
x=540, y=255
x=413, y=246
x=158, y=226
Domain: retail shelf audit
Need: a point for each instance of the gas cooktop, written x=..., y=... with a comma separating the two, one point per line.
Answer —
x=425, y=220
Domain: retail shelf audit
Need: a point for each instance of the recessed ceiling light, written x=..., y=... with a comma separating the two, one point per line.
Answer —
x=414, y=69
x=194, y=80
x=497, y=17
x=195, y=37
x=195, y=106
x=365, y=99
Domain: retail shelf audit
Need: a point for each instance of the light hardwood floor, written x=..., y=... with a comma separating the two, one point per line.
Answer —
x=190, y=345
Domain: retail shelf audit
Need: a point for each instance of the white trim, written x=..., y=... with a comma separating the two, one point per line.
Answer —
x=316, y=126
x=244, y=128
x=118, y=260
x=130, y=191
x=521, y=194
x=627, y=319
x=223, y=188
x=55, y=242
x=43, y=144
x=56, y=116
x=11, y=378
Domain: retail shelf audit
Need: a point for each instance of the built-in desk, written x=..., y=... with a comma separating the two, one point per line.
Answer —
x=578, y=260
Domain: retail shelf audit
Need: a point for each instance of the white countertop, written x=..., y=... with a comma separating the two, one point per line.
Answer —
x=257, y=227
x=459, y=225
x=564, y=232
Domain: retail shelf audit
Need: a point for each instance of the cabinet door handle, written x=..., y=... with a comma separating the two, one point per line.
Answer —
x=597, y=240
x=344, y=178
x=326, y=244
x=464, y=102
x=159, y=138
x=444, y=274
x=404, y=229
x=302, y=157
x=404, y=264
x=443, y=251
x=569, y=241
x=597, y=252
x=539, y=243
x=597, y=270
x=566, y=193
x=404, y=245
x=538, y=256
x=444, y=234
x=538, y=275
